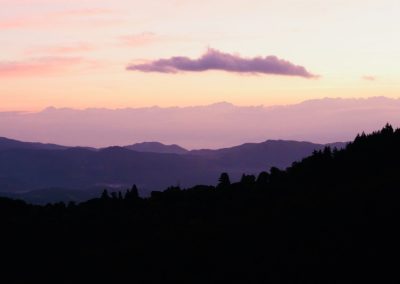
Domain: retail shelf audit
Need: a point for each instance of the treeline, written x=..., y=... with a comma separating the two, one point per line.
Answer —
x=330, y=218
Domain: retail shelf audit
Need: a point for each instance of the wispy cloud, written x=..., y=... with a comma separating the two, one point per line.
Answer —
x=149, y=38
x=43, y=66
x=368, y=78
x=62, y=49
x=53, y=18
x=139, y=39
x=217, y=60
x=87, y=12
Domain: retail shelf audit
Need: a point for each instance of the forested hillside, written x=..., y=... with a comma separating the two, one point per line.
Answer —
x=330, y=218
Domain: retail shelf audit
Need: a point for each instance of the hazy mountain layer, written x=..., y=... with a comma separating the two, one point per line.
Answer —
x=213, y=126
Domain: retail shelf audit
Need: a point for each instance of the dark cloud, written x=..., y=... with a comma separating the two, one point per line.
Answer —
x=216, y=60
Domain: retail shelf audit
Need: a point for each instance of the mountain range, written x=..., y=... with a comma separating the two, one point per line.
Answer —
x=157, y=147
x=330, y=218
x=212, y=126
x=47, y=172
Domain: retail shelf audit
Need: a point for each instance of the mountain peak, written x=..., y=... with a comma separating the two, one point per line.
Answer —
x=157, y=147
x=221, y=104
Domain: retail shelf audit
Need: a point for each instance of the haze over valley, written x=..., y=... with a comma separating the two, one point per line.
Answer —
x=212, y=126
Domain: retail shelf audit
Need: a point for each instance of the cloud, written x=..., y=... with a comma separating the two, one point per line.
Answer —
x=62, y=49
x=86, y=12
x=217, y=60
x=150, y=38
x=369, y=78
x=42, y=66
x=139, y=39
x=54, y=18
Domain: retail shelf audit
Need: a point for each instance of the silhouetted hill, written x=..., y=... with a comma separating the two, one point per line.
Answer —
x=157, y=147
x=252, y=157
x=329, y=218
x=9, y=144
x=26, y=170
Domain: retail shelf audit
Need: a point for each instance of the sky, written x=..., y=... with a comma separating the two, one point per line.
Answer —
x=127, y=53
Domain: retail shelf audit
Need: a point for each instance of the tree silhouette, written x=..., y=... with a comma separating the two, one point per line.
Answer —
x=263, y=179
x=224, y=181
x=132, y=194
x=105, y=195
x=248, y=180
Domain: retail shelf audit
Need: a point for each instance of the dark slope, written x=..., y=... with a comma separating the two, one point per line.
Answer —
x=331, y=218
x=54, y=195
x=249, y=156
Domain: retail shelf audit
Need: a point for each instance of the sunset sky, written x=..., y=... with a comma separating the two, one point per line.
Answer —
x=128, y=53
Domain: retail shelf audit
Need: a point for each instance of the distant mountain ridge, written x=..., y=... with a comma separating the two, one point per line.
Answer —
x=157, y=147
x=27, y=167
x=9, y=144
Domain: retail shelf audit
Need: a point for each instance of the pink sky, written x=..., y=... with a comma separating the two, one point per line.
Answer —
x=128, y=53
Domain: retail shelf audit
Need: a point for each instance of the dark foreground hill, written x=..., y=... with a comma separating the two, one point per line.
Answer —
x=30, y=171
x=331, y=218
